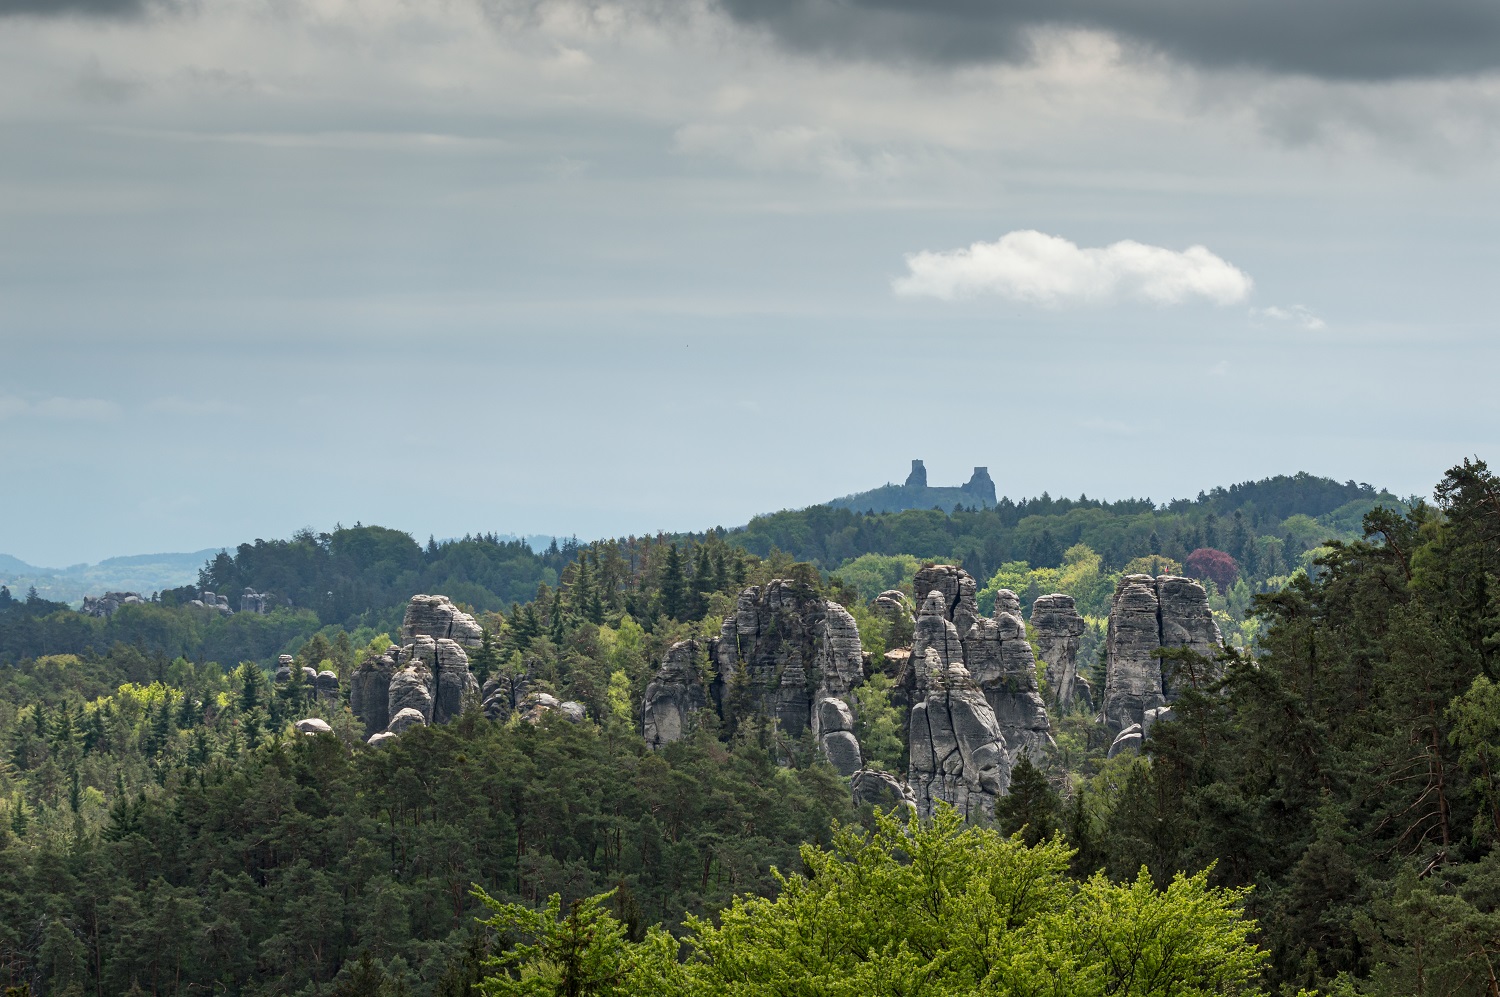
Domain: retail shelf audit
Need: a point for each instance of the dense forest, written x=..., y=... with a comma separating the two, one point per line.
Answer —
x=164, y=830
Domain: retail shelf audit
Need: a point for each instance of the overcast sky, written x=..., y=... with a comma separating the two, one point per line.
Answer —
x=548, y=266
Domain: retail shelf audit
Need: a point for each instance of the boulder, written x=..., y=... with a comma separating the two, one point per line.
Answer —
x=327, y=684
x=879, y=789
x=435, y=616
x=313, y=725
x=1058, y=626
x=380, y=737
x=404, y=718
x=836, y=736
x=1000, y=661
x=957, y=751
x=674, y=696
x=1128, y=739
x=310, y=676
x=960, y=607
x=539, y=704
x=1154, y=717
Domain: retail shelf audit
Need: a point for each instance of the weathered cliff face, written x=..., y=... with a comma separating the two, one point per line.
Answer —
x=958, y=588
x=892, y=604
x=881, y=789
x=1057, y=624
x=674, y=695
x=369, y=690
x=935, y=632
x=109, y=603
x=794, y=650
x=1000, y=661
x=1150, y=614
x=957, y=752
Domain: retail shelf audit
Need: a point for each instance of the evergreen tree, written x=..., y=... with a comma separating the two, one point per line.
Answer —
x=672, y=586
x=1031, y=806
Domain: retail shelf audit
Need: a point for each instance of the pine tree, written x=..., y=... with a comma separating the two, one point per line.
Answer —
x=1031, y=806
x=673, y=587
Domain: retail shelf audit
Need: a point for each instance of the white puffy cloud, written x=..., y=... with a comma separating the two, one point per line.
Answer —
x=1048, y=270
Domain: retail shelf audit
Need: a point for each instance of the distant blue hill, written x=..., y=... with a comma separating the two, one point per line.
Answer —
x=978, y=492
x=144, y=573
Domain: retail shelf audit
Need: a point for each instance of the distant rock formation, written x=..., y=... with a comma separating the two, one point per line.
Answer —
x=957, y=752
x=109, y=603
x=892, y=604
x=1058, y=626
x=674, y=695
x=313, y=726
x=284, y=665
x=1001, y=662
x=210, y=600
x=538, y=705
x=428, y=674
x=252, y=601
x=958, y=588
x=1150, y=614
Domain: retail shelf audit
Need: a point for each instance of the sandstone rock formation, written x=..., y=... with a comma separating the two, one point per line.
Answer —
x=284, y=665
x=255, y=602
x=893, y=604
x=313, y=725
x=934, y=632
x=403, y=719
x=782, y=654
x=429, y=673
x=210, y=600
x=109, y=603
x=1150, y=614
x=674, y=695
x=379, y=738
x=957, y=751
x=1001, y=663
x=958, y=589
x=540, y=704
x=881, y=789
x=1128, y=739
x=1058, y=626
x=327, y=684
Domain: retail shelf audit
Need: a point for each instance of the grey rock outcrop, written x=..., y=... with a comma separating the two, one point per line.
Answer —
x=795, y=649
x=501, y=696
x=435, y=616
x=109, y=603
x=380, y=737
x=875, y=788
x=1058, y=627
x=1150, y=614
x=404, y=719
x=284, y=665
x=836, y=736
x=211, y=600
x=675, y=695
x=259, y=603
x=313, y=725
x=539, y=705
x=934, y=631
x=1154, y=717
x=892, y=604
x=369, y=690
x=327, y=684
x=409, y=691
x=1000, y=661
x=958, y=588
x=1128, y=739
x=957, y=751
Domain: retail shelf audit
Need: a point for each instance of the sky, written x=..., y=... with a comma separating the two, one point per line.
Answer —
x=602, y=268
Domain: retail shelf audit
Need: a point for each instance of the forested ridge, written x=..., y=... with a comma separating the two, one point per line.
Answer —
x=163, y=830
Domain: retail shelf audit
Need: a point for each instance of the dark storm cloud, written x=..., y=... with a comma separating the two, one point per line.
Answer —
x=62, y=8
x=1349, y=39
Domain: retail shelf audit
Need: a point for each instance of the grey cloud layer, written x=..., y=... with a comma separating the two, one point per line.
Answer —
x=59, y=8
x=1346, y=39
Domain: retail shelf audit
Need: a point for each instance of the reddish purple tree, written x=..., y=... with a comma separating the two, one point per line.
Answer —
x=1215, y=565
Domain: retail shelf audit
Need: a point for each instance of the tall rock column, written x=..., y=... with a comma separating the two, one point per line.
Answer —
x=1001, y=663
x=674, y=696
x=958, y=754
x=1058, y=627
x=958, y=588
x=1150, y=614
